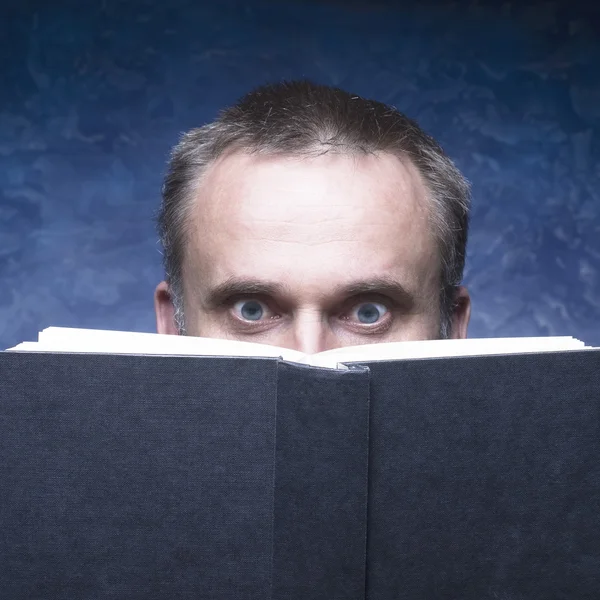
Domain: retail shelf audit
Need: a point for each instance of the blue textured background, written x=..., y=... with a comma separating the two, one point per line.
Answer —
x=93, y=95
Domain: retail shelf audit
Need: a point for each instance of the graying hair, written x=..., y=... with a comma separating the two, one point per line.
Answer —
x=301, y=118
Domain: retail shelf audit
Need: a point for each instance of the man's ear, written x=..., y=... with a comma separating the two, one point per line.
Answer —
x=164, y=309
x=461, y=313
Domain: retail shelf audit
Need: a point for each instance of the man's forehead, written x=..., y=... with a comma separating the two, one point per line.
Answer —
x=329, y=219
x=238, y=177
x=301, y=196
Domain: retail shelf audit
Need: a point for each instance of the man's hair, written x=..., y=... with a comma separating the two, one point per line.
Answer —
x=301, y=118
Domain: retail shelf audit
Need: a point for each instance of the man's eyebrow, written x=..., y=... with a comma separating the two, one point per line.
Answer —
x=234, y=286
x=379, y=285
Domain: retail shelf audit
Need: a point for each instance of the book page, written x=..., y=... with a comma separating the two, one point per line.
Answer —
x=65, y=339
x=440, y=349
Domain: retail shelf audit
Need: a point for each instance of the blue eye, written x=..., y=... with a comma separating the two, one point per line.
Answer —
x=250, y=310
x=369, y=312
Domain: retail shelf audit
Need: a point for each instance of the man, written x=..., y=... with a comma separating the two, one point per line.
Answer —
x=310, y=218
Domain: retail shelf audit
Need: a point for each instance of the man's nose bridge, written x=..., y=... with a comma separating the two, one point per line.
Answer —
x=310, y=331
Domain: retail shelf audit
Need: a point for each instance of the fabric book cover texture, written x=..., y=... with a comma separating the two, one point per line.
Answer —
x=177, y=477
x=484, y=478
x=156, y=477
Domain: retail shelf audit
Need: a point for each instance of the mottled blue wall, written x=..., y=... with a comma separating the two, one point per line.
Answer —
x=93, y=95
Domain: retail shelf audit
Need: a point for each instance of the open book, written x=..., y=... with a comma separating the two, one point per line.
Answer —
x=132, y=468
x=63, y=339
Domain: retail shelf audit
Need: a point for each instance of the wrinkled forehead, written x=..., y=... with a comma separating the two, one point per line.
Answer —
x=290, y=188
x=327, y=210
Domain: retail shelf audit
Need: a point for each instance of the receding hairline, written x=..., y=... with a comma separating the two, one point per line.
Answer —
x=421, y=188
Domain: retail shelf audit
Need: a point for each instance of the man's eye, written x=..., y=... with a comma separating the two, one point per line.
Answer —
x=368, y=313
x=250, y=310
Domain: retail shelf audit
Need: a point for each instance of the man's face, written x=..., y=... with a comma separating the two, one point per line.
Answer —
x=311, y=254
